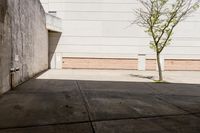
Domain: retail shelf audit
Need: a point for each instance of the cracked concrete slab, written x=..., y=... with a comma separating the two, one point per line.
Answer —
x=130, y=87
x=189, y=103
x=18, y=110
x=198, y=115
x=47, y=85
x=128, y=126
x=105, y=105
x=72, y=128
x=179, y=123
x=176, y=89
x=60, y=105
x=175, y=124
x=148, y=106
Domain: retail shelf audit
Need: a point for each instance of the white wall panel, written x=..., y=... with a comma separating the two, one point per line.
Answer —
x=96, y=16
x=132, y=41
x=45, y=6
x=181, y=50
x=112, y=28
x=107, y=16
x=103, y=7
x=93, y=1
x=101, y=28
x=66, y=40
x=77, y=28
x=102, y=49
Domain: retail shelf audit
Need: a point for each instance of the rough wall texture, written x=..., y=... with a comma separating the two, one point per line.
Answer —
x=24, y=41
x=5, y=45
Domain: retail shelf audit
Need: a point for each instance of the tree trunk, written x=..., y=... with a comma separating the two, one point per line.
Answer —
x=159, y=67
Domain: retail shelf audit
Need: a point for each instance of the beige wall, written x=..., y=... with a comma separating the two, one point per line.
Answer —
x=101, y=29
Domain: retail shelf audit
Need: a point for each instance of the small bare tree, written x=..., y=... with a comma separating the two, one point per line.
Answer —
x=159, y=18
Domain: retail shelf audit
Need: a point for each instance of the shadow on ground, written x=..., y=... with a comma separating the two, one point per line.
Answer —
x=60, y=106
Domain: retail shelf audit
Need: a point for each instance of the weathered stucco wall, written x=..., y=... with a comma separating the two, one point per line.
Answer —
x=23, y=41
x=4, y=48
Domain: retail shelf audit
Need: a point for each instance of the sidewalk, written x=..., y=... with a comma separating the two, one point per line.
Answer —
x=192, y=77
x=54, y=103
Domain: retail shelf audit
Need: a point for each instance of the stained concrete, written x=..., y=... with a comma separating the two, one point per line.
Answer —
x=48, y=86
x=189, y=103
x=40, y=109
x=120, y=101
x=109, y=86
x=176, y=89
x=74, y=106
x=23, y=41
x=71, y=128
x=173, y=124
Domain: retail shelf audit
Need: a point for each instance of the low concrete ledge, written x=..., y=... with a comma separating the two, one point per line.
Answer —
x=53, y=23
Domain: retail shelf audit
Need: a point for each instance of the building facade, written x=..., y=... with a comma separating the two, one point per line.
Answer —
x=97, y=34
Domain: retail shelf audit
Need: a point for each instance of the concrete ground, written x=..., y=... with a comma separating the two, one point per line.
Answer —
x=77, y=101
x=192, y=77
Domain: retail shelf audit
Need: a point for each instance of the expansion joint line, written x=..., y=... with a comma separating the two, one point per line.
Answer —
x=86, y=105
x=174, y=105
